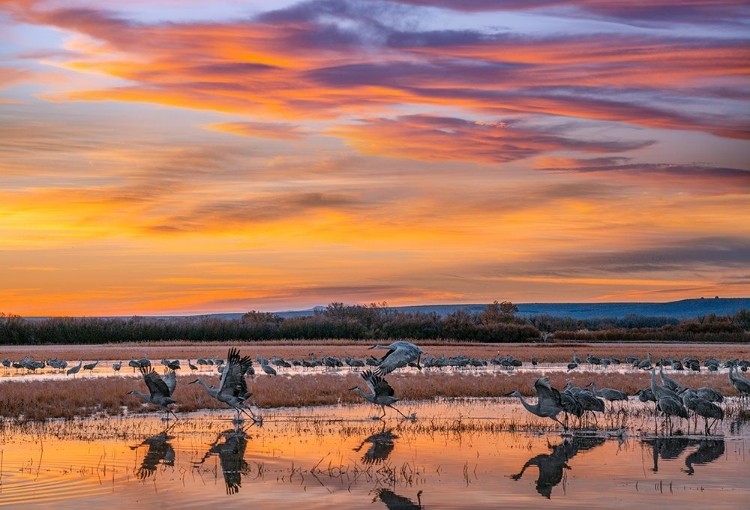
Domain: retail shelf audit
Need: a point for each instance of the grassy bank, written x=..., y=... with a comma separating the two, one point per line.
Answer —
x=40, y=400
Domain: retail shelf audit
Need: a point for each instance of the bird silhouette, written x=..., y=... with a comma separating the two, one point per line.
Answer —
x=395, y=502
x=551, y=465
x=381, y=446
x=160, y=390
x=230, y=446
x=549, y=402
x=741, y=384
x=400, y=354
x=232, y=389
x=381, y=392
x=74, y=370
x=708, y=451
x=666, y=448
x=159, y=452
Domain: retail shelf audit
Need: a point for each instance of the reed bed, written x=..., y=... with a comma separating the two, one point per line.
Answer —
x=543, y=352
x=85, y=397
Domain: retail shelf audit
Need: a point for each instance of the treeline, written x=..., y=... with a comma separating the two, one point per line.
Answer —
x=709, y=328
x=337, y=321
x=497, y=323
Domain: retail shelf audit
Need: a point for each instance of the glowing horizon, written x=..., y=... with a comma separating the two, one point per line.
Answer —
x=167, y=157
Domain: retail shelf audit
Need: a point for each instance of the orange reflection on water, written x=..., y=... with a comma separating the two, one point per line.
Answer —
x=457, y=454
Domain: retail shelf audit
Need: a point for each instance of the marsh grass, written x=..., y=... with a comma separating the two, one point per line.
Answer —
x=85, y=397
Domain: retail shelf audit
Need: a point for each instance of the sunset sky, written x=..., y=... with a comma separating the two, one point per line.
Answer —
x=173, y=157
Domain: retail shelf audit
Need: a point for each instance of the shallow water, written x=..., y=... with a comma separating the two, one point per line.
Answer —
x=456, y=454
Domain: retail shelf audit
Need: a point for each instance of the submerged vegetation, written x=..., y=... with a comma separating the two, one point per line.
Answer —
x=497, y=323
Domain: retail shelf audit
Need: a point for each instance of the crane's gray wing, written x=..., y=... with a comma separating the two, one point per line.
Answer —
x=368, y=376
x=545, y=391
x=382, y=388
x=390, y=362
x=233, y=378
x=377, y=384
x=154, y=382
x=171, y=381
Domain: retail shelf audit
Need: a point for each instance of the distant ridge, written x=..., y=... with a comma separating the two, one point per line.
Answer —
x=684, y=309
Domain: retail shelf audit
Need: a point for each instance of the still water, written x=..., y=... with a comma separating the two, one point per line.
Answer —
x=456, y=454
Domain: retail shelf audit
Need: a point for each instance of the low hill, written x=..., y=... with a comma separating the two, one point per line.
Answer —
x=684, y=309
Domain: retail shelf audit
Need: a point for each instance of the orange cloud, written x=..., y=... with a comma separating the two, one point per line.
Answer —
x=261, y=130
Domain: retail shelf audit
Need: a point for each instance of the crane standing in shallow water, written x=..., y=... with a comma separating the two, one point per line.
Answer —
x=549, y=402
x=382, y=392
x=160, y=390
x=74, y=370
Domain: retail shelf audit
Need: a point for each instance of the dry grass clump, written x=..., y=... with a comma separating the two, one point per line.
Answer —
x=41, y=400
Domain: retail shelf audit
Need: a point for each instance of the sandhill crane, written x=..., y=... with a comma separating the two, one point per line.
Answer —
x=232, y=389
x=266, y=367
x=144, y=362
x=549, y=402
x=192, y=367
x=588, y=401
x=572, y=366
x=669, y=382
x=134, y=364
x=671, y=406
x=160, y=390
x=576, y=359
x=646, y=395
x=609, y=393
x=646, y=363
x=117, y=366
x=660, y=391
x=74, y=370
x=91, y=366
x=400, y=354
x=740, y=383
x=382, y=392
x=702, y=407
x=710, y=394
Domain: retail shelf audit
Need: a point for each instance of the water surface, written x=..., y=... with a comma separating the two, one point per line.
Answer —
x=457, y=454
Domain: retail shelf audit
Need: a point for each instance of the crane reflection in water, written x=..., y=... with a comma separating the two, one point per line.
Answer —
x=230, y=447
x=552, y=465
x=381, y=446
x=160, y=452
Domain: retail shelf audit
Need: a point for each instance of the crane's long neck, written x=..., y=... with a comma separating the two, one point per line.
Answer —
x=654, y=386
x=367, y=396
x=529, y=407
x=210, y=390
x=144, y=396
x=593, y=387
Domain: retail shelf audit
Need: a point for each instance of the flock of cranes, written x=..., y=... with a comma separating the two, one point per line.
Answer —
x=670, y=398
x=233, y=390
